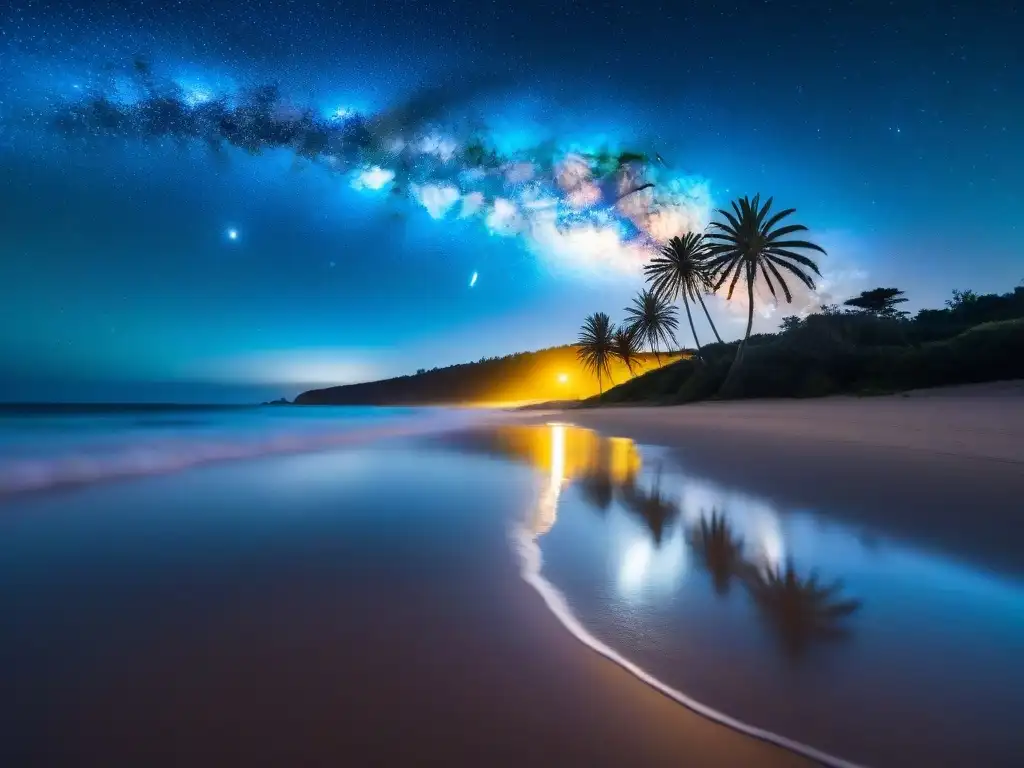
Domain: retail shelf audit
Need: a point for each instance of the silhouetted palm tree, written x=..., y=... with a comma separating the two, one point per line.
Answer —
x=653, y=319
x=681, y=269
x=800, y=610
x=719, y=549
x=748, y=242
x=625, y=347
x=595, y=346
x=657, y=511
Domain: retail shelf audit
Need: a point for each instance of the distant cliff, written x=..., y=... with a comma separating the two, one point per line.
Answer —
x=549, y=374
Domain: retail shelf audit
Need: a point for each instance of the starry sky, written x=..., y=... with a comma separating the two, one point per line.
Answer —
x=356, y=232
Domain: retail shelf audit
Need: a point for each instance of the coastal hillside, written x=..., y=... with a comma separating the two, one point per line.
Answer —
x=975, y=339
x=548, y=374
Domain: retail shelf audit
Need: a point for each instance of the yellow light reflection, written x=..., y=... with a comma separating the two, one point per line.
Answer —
x=572, y=451
x=547, y=506
x=564, y=454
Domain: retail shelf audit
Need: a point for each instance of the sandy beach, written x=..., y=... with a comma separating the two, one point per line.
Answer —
x=310, y=610
x=943, y=466
x=363, y=606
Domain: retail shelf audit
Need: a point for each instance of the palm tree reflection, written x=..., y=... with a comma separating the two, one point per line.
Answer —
x=718, y=549
x=654, y=509
x=800, y=610
x=613, y=463
x=597, y=487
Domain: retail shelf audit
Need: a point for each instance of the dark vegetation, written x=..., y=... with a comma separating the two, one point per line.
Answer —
x=868, y=348
x=746, y=244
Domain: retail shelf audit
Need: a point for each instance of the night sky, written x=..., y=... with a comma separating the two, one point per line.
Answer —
x=187, y=260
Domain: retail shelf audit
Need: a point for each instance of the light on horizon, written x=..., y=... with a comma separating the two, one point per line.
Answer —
x=563, y=378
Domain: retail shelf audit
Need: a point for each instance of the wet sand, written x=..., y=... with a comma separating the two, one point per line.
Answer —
x=227, y=616
x=943, y=467
x=420, y=683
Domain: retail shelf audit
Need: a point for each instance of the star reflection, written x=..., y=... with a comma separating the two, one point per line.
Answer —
x=645, y=568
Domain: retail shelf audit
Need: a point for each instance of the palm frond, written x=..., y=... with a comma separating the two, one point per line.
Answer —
x=652, y=318
x=595, y=345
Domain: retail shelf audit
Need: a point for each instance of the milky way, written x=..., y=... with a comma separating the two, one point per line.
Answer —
x=595, y=208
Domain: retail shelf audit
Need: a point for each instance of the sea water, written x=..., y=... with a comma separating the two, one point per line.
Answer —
x=139, y=545
x=46, y=446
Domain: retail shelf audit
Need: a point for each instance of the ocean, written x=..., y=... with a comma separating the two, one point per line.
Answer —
x=50, y=445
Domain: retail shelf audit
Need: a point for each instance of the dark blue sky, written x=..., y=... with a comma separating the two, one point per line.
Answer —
x=895, y=128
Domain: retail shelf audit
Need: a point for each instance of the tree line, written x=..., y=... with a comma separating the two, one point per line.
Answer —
x=746, y=242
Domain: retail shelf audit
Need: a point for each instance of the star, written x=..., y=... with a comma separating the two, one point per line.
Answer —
x=232, y=234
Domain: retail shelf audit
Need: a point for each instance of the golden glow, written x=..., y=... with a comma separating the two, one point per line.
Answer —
x=555, y=375
x=547, y=506
x=568, y=452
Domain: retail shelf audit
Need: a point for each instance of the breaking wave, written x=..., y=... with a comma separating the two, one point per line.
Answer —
x=65, y=457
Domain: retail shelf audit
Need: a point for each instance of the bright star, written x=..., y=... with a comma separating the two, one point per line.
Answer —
x=232, y=234
x=472, y=280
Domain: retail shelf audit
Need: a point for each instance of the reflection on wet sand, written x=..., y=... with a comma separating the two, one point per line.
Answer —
x=606, y=471
x=563, y=454
x=651, y=505
x=701, y=590
x=801, y=610
x=719, y=549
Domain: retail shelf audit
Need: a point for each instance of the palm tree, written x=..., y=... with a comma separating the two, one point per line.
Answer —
x=681, y=270
x=718, y=548
x=653, y=319
x=625, y=347
x=748, y=242
x=595, y=346
x=800, y=610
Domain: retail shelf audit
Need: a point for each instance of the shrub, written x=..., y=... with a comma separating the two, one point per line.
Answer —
x=704, y=382
x=830, y=354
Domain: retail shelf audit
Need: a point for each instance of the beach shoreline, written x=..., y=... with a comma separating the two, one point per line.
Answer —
x=293, y=640
x=940, y=467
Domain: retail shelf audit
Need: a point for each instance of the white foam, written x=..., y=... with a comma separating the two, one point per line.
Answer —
x=529, y=553
x=151, y=457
